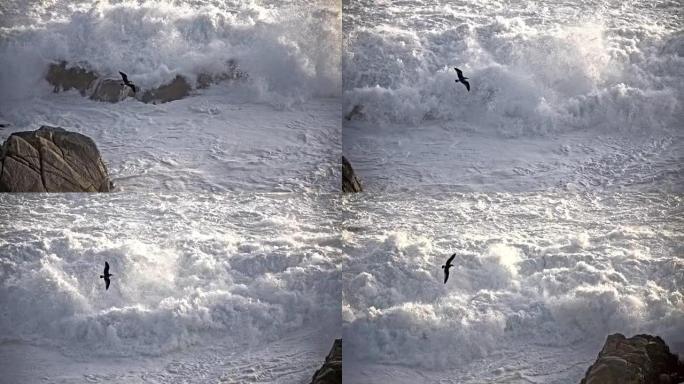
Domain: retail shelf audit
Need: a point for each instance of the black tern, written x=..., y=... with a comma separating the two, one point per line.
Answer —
x=462, y=79
x=106, y=275
x=127, y=82
x=447, y=266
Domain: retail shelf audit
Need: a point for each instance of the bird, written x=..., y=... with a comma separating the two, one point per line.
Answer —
x=106, y=275
x=446, y=267
x=462, y=79
x=127, y=82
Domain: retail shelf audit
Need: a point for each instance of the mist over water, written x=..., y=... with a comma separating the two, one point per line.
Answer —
x=534, y=67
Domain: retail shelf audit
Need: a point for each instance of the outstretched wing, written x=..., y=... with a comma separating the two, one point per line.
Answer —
x=467, y=84
x=446, y=275
x=458, y=71
x=449, y=260
x=124, y=77
x=106, y=271
x=106, y=284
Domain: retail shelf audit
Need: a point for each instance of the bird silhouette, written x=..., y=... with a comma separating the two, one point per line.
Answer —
x=462, y=79
x=127, y=82
x=446, y=267
x=106, y=275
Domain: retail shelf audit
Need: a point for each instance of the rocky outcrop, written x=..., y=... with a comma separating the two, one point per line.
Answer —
x=51, y=159
x=109, y=90
x=642, y=359
x=64, y=79
x=97, y=87
x=331, y=371
x=350, y=183
x=177, y=89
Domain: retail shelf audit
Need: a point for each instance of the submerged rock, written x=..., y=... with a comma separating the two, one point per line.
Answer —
x=350, y=183
x=355, y=113
x=52, y=159
x=642, y=359
x=331, y=371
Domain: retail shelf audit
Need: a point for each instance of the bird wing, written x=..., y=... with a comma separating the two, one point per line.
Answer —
x=106, y=271
x=458, y=71
x=446, y=275
x=106, y=284
x=449, y=260
x=124, y=77
x=467, y=84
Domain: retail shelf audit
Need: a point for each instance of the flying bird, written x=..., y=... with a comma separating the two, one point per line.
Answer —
x=106, y=275
x=446, y=267
x=462, y=79
x=127, y=82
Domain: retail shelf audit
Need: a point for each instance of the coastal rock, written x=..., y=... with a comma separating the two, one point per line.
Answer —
x=51, y=159
x=64, y=79
x=175, y=90
x=331, y=371
x=642, y=359
x=89, y=83
x=110, y=90
x=350, y=183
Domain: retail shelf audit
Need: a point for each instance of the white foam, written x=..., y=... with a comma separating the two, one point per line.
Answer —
x=290, y=51
x=539, y=280
x=534, y=68
x=189, y=271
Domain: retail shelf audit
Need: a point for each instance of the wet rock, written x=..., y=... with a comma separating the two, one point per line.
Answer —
x=64, y=79
x=110, y=90
x=355, y=113
x=100, y=88
x=642, y=359
x=350, y=183
x=331, y=371
x=52, y=159
x=175, y=90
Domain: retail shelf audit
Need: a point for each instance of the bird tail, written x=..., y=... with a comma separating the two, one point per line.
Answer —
x=101, y=276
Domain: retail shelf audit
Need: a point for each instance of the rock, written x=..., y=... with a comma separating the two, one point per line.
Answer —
x=642, y=359
x=356, y=112
x=350, y=183
x=331, y=371
x=110, y=90
x=175, y=90
x=64, y=79
x=51, y=159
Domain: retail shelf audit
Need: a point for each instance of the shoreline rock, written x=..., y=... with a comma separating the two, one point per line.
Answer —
x=642, y=359
x=52, y=159
x=97, y=87
x=331, y=371
x=350, y=183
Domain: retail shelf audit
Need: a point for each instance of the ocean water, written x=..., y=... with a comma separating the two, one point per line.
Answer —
x=539, y=280
x=563, y=95
x=277, y=129
x=237, y=287
x=289, y=49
